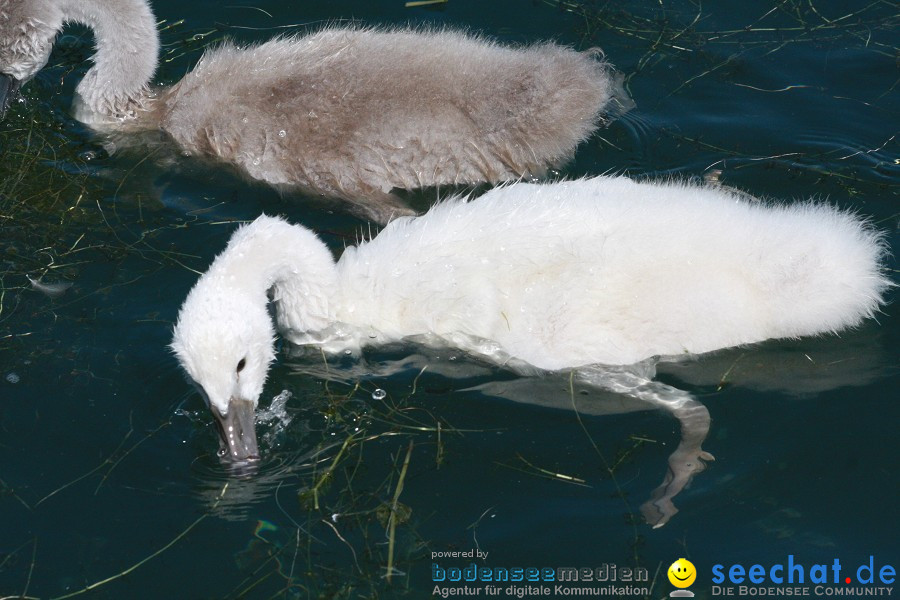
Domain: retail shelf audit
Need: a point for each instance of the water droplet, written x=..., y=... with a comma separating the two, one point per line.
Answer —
x=12, y=378
x=282, y=133
x=256, y=162
x=244, y=120
x=379, y=394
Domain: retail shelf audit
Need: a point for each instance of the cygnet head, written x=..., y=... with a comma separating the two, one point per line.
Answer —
x=127, y=44
x=27, y=31
x=224, y=340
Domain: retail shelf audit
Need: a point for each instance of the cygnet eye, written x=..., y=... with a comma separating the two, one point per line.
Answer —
x=241, y=365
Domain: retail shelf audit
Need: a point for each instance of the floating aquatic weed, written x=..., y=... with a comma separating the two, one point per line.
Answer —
x=51, y=290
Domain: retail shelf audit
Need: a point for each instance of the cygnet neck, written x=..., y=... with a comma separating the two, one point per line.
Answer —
x=116, y=88
x=291, y=261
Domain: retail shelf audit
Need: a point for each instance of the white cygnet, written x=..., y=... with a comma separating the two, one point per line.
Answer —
x=537, y=277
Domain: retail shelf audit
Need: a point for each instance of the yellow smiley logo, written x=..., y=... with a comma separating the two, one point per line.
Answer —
x=682, y=573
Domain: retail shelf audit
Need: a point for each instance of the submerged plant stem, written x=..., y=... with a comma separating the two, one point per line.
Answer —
x=392, y=520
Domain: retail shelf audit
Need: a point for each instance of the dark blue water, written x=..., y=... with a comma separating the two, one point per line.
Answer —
x=109, y=468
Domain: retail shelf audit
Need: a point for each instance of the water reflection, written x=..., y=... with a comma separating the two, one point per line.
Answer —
x=798, y=368
x=247, y=489
x=618, y=390
x=793, y=367
x=287, y=457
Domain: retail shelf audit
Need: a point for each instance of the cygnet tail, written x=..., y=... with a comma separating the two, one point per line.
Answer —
x=558, y=101
x=826, y=274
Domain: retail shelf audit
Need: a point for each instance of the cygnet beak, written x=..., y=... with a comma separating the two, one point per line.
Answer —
x=237, y=432
x=9, y=87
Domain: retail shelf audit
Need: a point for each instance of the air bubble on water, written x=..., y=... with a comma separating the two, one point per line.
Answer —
x=12, y=378
x=282, y=133
x=379, y=394
x=256, y=162
x=244, y=120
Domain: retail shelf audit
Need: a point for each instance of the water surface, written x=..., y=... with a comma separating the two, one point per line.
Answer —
x=109, y=454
